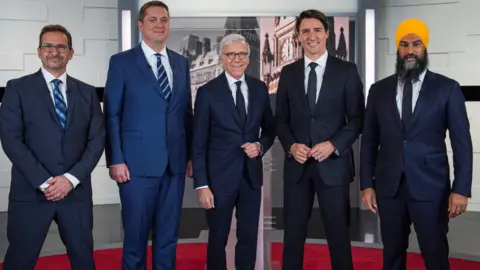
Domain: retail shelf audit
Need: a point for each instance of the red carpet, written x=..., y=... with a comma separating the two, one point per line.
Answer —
x=192, y=257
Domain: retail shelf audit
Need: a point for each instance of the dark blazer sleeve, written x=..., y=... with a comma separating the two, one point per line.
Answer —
x=201, y=129
x=369, y=143
x=96, y=140
x=268, y=122
x=355, y=109
x=113, y=105
x=282, y=112
x=189, y=115
x=461, y=141
x=13, y=141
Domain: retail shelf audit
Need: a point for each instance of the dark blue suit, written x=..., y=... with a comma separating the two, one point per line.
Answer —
x=151, y=136
x=38, y=148
x=219, y=162
x=409, y=169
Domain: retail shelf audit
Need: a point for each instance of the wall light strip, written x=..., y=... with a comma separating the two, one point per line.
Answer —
x=369, y=50
x=126, y=30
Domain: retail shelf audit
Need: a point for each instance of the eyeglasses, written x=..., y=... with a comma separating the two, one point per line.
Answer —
x=231, y=55
x=60, y=48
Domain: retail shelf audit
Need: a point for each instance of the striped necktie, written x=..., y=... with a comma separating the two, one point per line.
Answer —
x=163, y=78
x=60, y=104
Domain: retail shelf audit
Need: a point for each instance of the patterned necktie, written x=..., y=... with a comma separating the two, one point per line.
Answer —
x=60, y=104
x=240, y=103
x=162, y=78
x=407, y=105
x=312, y=87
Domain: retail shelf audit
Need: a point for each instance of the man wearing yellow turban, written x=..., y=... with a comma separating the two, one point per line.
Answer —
x=404, y=170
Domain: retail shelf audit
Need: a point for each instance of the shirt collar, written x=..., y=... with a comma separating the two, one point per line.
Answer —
x=232, y=80
x=49, y=77
x=321, y=61
x=150, y=52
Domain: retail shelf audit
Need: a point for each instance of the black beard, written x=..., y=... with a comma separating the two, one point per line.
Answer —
x=410, y=71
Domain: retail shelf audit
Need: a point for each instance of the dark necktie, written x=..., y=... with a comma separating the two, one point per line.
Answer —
x=163, y=78
x=407, y=105
x=240, y=103
x=312, y=87
x=60, y=104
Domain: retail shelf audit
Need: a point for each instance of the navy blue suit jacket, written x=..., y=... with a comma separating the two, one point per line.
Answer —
x=144, y=131
x=218, y=158
x=420, y=153
x=35, y=143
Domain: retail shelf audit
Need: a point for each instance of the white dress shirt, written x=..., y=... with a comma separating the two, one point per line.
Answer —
x=63, y=89
x=233, y=87
x=416, y=87
x=320, y=70
x=152, y=61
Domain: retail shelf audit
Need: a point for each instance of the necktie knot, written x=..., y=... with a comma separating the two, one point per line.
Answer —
x=313, y=65
x=56, y=82
x=238, y=83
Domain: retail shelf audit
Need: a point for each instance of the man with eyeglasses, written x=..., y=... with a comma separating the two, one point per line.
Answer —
x=51, y=129
x=228, y=146
x=148, y=117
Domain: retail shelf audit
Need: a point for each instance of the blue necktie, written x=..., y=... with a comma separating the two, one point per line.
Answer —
x=162, y=78
x=60, y=105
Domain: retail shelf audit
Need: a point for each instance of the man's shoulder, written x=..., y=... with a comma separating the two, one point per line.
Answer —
x=29, y=80
x=123, y=56
x=81, y=84
x=176, y=55
x=443, y=79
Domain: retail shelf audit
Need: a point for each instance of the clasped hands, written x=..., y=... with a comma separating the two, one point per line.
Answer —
x=58, y=188
x=319, y=152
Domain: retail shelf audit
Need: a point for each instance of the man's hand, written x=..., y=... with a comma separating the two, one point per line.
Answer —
x=457, y=205
x=58, y=188
x=369, y=199
x=119, y=173
x=322, y=151
x=189, y=173
x=205, y=198
x=251, y=149
x=300, y=152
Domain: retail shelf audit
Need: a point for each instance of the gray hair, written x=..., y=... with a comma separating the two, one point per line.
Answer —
x=232, y=38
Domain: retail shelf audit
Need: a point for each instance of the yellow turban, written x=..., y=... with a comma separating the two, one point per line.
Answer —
x=412, y=26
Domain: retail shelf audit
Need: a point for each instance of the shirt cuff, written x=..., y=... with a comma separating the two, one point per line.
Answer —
x=73, y=180
x=261, y=148
x=202, y=187
x=45, y=185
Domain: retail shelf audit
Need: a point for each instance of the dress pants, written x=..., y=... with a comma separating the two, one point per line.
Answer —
x=334, y=204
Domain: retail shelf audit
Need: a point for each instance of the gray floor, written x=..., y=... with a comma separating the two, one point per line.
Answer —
x=464, y=233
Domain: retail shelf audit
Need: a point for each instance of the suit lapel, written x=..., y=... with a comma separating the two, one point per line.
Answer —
x=392, y=84
x=299, y=82
x=176, y=71
x=327, y=82
x=227, y=98
x=424, y=97
x=72, y=92
x=47, y=97
x=252, y=100
x=146, y=68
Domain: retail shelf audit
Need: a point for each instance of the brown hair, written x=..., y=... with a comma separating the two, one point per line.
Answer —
x=312, y=14
x=55, y=28
x=143, y=9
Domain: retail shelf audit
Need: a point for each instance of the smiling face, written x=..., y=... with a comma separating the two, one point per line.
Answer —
x=54, y=52
x=155, y=26
x=235, y=58
x=313, y=37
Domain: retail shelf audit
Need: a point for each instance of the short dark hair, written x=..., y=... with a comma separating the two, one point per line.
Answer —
x=143, y=9
x=312, y=14
x=55, y=28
